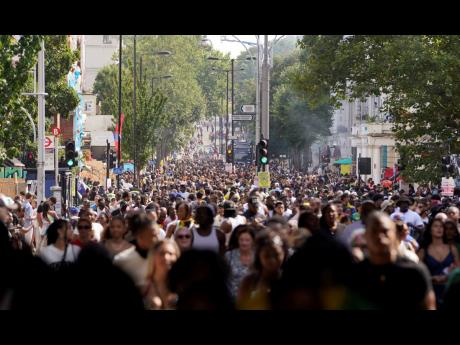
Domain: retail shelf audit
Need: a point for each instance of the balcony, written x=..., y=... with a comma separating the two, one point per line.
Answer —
x=379, y=129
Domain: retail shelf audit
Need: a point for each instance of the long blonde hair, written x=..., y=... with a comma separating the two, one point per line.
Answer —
x=156, y=247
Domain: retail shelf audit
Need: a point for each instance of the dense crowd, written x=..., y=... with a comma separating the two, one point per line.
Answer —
x=193, y=236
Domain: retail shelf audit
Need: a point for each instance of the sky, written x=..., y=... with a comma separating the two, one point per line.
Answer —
x=234, y=48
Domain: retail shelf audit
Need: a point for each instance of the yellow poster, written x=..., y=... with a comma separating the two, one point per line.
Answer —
x=345, y=169
x=264, y=179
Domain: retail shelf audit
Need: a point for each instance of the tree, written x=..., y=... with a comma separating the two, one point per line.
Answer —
x=294, y=125
x=59, y=58
x=193, y=93
x=17, y=59
x=150, y=115
x=418, y=75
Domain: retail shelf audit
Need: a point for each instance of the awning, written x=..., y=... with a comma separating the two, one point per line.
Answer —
x=343, y=161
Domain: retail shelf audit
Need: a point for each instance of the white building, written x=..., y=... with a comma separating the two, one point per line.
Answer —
x=360, y=128
x=97, y=51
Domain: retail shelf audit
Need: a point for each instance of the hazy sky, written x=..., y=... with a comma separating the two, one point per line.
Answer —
x=234, y=48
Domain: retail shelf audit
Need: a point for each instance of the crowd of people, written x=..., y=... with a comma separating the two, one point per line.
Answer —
x=193, y=236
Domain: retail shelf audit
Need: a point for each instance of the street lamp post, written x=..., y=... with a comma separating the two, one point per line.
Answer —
x=168, y=76
x=233, y=93
x=233, y=111
x=119, y=109
x=134, y=113
x=167, y=53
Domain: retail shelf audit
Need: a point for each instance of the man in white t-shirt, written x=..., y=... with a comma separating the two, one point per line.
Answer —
x=96, y=227
x=133, y=260
x=411, y=218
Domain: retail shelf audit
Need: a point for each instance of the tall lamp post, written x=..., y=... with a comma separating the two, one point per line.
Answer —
x=168, y=76
x=232, y=61
x=165, y=53
x=134, y=113
x=120, y=49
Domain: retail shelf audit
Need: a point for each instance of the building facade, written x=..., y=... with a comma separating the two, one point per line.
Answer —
x=361, y=129
x=97, y=51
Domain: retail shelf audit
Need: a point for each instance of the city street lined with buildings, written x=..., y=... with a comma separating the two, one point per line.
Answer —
x=167, y=173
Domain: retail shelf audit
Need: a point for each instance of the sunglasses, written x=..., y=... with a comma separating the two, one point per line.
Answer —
x=181, y=237
x=86, y=227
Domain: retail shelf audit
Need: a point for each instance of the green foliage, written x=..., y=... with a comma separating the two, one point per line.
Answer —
x=419, y=76
x=16, y=78
x=17, y=58
x=58, y=60
x=194, y=91
x=294, y=124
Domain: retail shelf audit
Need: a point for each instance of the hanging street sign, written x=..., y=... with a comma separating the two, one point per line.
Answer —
x=249, y=108
x=49, y=142
x=242, y=117
x=56, y=131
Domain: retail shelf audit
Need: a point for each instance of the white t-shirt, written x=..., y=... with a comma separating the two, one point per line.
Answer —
x=162, y=235
x=410, y=217
x=97, y=229
x=134, y=265
x=50, y=254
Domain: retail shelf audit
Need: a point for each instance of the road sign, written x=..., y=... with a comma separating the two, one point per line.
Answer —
x=49, y=159
x=232, y=137
x=242, y=117
x=248, y=108
x=56, y=131
x=264, y=179
x=49, y=142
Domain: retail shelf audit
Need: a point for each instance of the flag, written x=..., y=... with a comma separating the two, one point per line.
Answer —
x=117, y=135
x=81, y=187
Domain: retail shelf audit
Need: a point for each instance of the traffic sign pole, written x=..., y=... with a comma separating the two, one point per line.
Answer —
x=56, y=132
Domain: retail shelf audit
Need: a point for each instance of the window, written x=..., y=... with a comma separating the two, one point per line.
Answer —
x=106, y=39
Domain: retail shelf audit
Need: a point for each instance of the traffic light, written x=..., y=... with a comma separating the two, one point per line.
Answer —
x=70, y=154
x=263, y=152
x=30, y=161
x=112, y=159
x=229, y=154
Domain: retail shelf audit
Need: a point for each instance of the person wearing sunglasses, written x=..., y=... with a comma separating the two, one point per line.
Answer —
x=183, y=238
x=85, y=232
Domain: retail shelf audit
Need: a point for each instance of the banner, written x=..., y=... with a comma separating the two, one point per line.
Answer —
x=264, y=179
x=345, y=169
x=117, y=135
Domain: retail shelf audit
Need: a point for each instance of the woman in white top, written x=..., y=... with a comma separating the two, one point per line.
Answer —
x=48, y=217
x=59, y=250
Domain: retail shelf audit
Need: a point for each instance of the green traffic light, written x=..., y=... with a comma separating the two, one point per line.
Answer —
x=70, y=163
x=264, y=160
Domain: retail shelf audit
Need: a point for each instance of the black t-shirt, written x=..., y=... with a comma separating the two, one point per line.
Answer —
x=398, y=286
